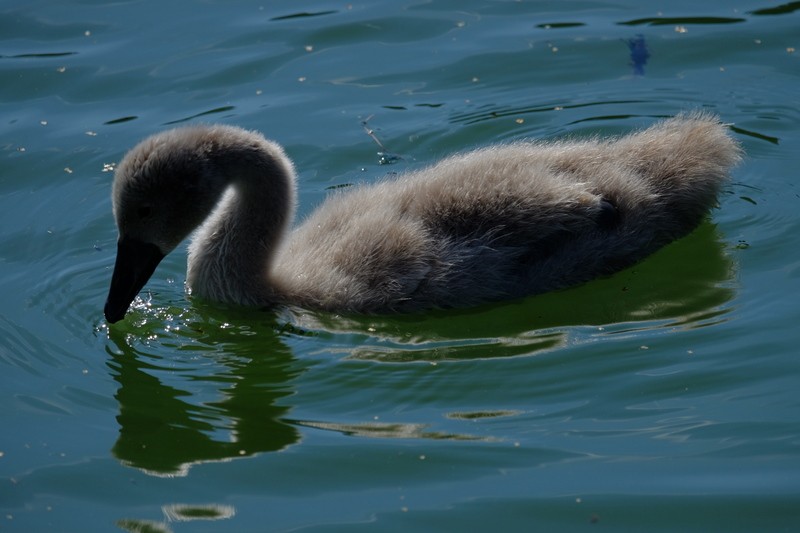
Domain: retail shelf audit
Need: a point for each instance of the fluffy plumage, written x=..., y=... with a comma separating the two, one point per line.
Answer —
x=495, y=223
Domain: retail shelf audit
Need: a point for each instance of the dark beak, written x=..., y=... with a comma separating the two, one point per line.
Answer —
x=136, y=262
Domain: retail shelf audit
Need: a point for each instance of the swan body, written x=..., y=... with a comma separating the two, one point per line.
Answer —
x=499, y=222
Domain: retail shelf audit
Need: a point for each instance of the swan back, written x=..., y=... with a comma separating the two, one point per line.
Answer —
x=508, y=220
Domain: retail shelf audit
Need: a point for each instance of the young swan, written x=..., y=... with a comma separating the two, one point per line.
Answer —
x=496, y=223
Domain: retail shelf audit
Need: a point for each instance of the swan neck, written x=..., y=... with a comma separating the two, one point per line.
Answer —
x=232, y=252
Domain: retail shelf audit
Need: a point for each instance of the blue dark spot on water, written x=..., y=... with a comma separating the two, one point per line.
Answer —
x=639, y=54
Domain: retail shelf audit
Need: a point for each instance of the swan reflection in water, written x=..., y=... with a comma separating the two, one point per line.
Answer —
x=205, y=384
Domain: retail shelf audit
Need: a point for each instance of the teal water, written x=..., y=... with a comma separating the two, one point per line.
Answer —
x=662, y=398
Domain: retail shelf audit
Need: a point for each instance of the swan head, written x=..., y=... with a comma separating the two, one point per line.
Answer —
x=163, y=189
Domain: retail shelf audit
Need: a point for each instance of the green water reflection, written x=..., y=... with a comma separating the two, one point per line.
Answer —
x=164, y=429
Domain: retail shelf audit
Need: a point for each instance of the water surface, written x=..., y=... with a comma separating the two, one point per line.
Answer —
x=661, y=398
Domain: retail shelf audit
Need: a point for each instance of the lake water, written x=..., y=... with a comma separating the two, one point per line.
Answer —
x=662, y=398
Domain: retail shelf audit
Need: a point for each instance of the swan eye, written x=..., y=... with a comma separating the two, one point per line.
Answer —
x=144, y=211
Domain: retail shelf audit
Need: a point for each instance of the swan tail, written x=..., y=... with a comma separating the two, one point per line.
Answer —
x=692, y=152
x=684, y=162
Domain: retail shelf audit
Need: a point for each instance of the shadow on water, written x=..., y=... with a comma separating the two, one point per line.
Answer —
x=491, y=111
x=782, y=9
x=673, y=21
